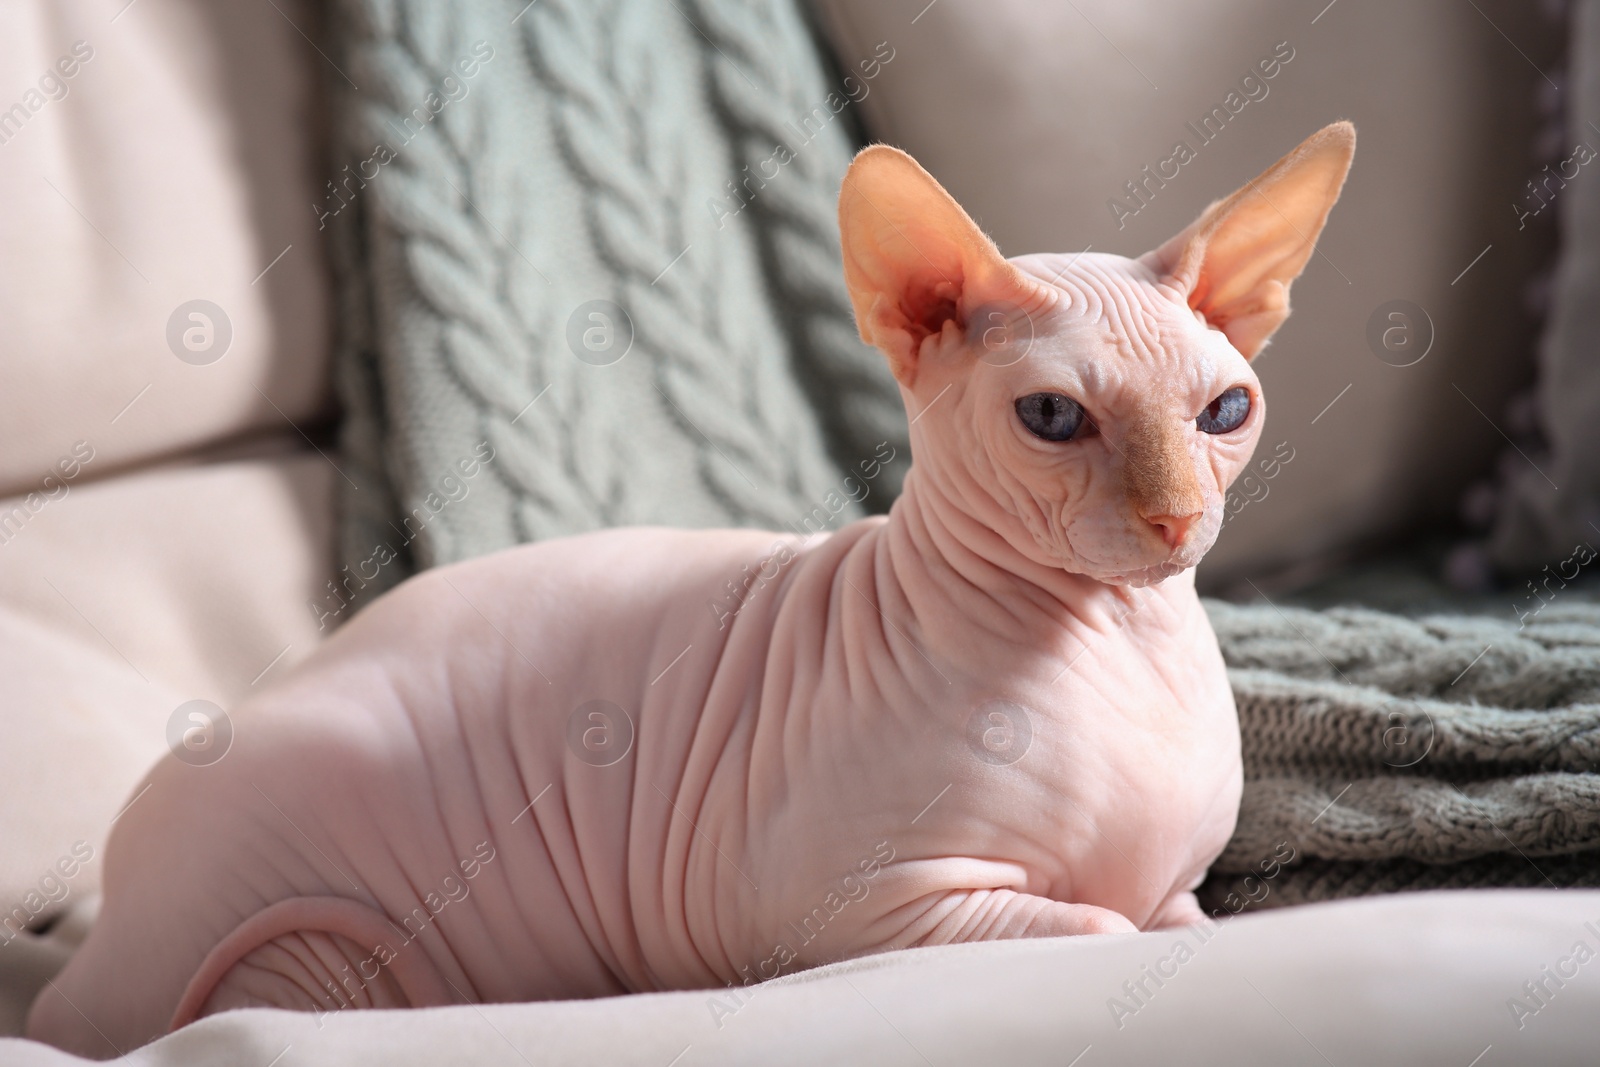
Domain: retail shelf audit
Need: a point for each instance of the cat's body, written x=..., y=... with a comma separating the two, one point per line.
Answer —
x=985, y=716
x=701, y=857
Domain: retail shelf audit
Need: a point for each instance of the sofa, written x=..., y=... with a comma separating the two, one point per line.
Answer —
x=177, y=479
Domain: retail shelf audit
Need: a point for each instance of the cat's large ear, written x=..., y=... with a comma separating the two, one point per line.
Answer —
x=913, y=260
x=1237, y=259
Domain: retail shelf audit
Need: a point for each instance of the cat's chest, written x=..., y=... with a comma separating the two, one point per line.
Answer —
x=1140, y=753
x=1159, y=676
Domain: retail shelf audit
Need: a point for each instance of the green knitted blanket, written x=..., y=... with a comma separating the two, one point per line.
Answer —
x=1385, y=753
x=590, y=277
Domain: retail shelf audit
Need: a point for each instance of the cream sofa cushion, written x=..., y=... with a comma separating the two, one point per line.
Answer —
x=123, y=599
x=152, y=154
x=1420, y=979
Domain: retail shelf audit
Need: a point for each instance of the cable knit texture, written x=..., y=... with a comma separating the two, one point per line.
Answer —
x=589, y=157
x=1392, y=753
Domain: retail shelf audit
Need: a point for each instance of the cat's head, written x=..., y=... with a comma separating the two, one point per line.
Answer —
x=1090, y=409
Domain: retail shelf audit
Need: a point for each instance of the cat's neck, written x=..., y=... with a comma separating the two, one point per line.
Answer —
x=960, y=579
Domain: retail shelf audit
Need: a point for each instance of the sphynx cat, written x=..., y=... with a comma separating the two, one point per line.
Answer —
x=998, y=712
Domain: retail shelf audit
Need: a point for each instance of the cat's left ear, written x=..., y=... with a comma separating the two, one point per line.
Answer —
x=1237, y=260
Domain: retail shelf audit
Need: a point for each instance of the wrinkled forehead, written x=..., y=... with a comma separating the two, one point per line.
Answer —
x=1109, y=292
x=1115, y=327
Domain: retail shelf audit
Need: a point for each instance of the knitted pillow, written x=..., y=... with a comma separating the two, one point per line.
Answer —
x=591, y=278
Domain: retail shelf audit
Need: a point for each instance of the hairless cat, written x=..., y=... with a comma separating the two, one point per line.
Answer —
x=997, y=712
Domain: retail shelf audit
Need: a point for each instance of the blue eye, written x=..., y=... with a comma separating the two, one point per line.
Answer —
x=1050, y=416
x=1226, y=413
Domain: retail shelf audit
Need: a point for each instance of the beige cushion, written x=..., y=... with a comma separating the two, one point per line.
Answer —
x=123, y=599
x=1035, y=115
x=178, y=162
x=1416, y=979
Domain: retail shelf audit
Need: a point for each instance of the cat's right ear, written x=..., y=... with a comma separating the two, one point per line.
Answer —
x=914, y=260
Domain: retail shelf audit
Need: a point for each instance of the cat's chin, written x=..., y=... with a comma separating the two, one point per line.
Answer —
x=1144, y=576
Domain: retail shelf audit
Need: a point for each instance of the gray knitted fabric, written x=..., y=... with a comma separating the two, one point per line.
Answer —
x=1386, y=753
x=591, y=155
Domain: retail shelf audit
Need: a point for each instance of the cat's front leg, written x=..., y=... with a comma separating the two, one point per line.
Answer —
x=1001, y=914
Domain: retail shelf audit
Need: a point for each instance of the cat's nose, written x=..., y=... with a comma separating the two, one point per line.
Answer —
x=1173, y=528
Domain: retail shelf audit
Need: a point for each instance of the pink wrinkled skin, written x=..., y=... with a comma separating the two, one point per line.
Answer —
x=998, y=712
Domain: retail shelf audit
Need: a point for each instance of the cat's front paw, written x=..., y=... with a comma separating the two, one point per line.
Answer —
x=1180, y=909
